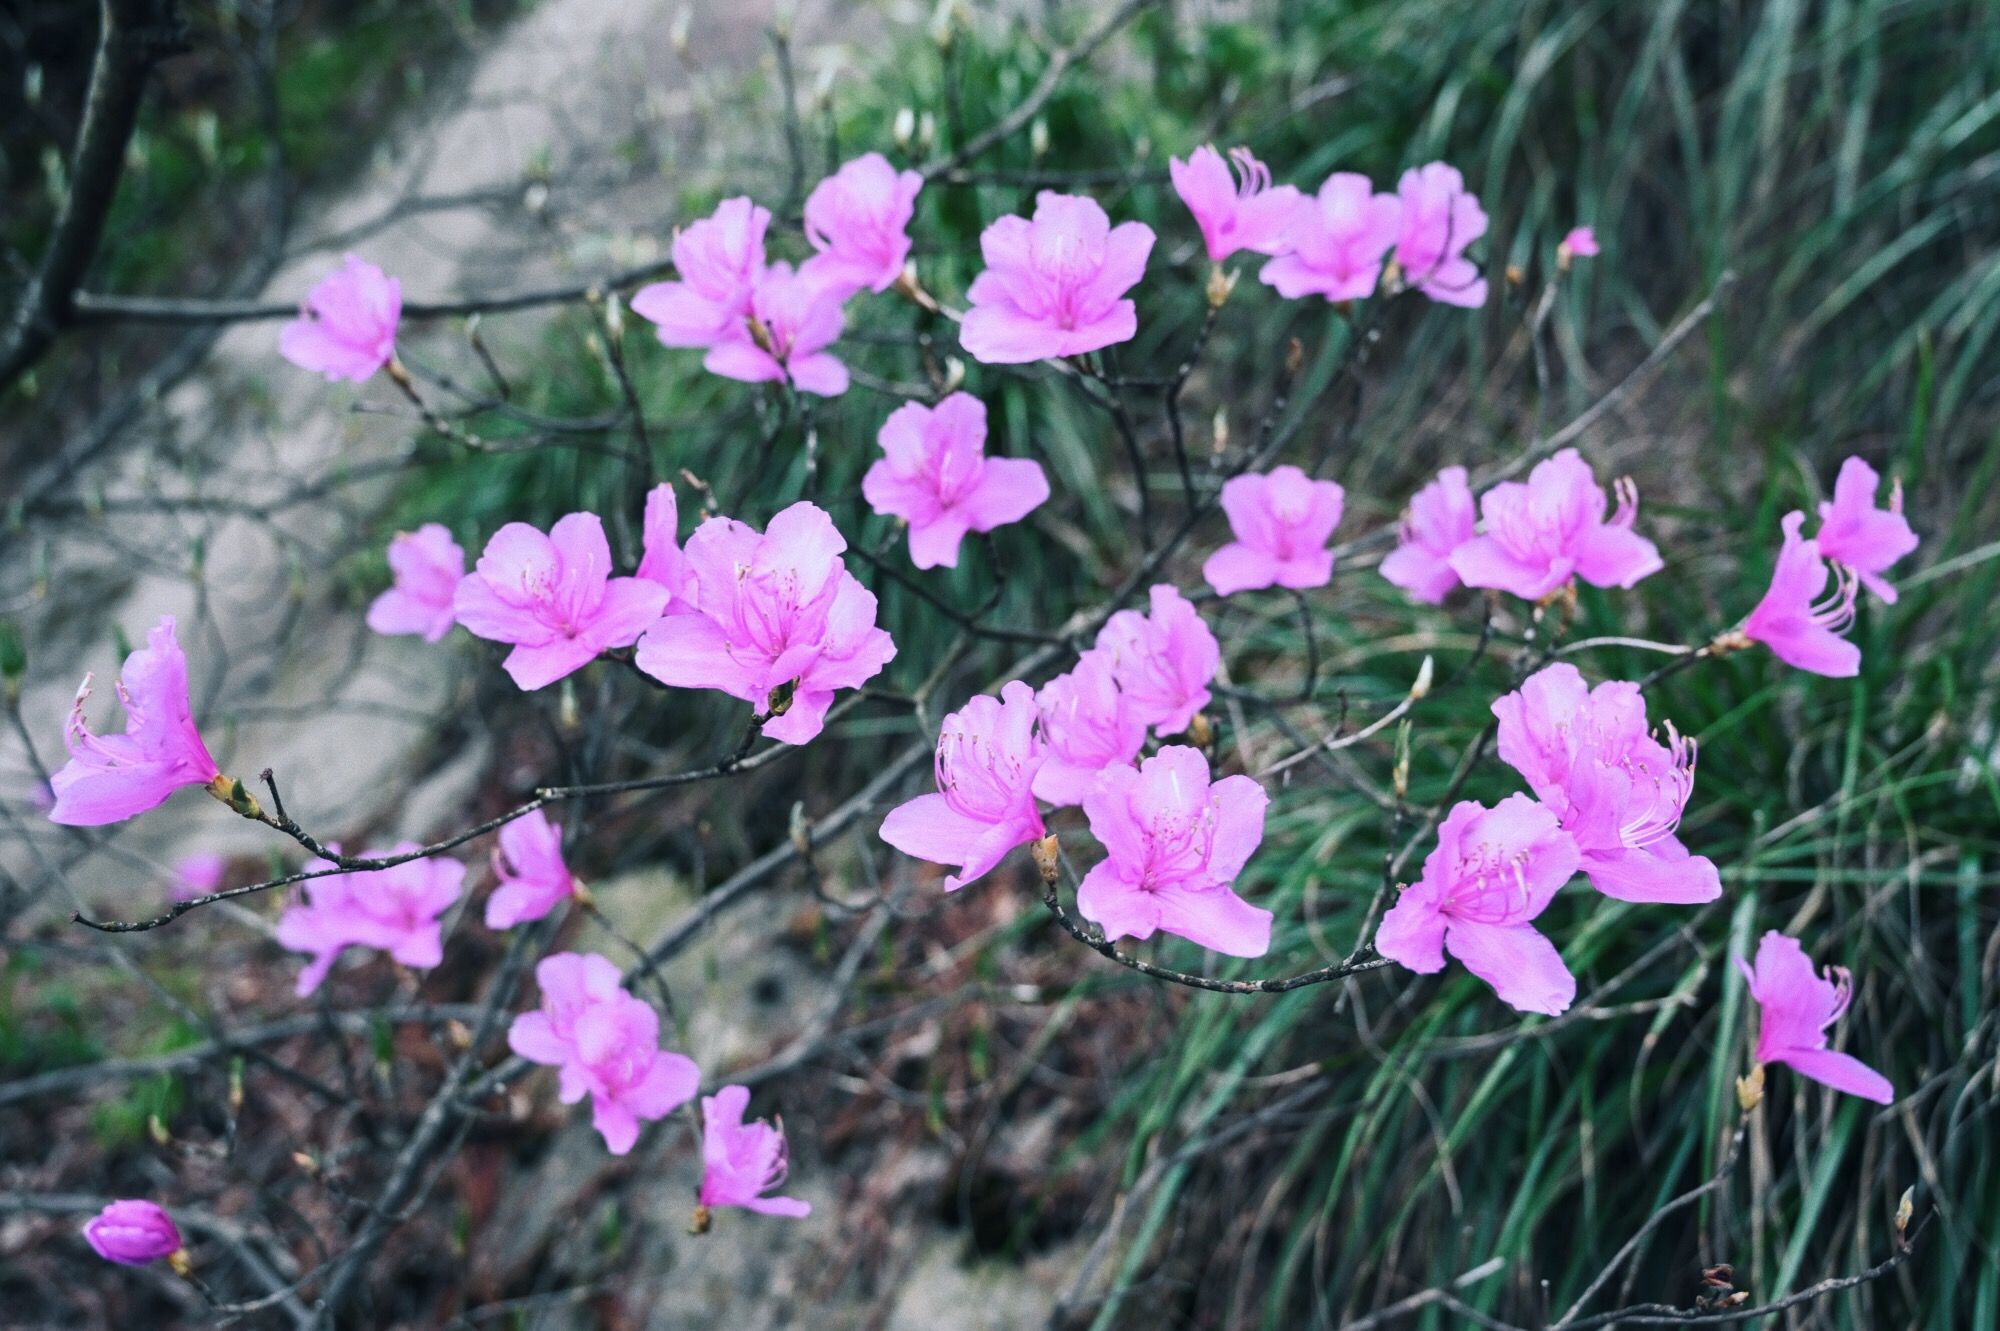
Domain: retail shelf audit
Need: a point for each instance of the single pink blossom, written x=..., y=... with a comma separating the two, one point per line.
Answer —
x=110, y=778
x=741, y=1162
x=428, y=566
x=347, y=326
x=793, y=318
x=553, y=598
x=936, y=475
x=1054, y=286
x=1580, y=243
x=1164, y=660
x=132, y=1233
x=1087, y=726
x=1797, y=1008
x=1174, y=845
x=395, y=910
x=987, y=759
x=1619, y=792
x=1542, y=533
x=660, y=557
x=1242, y=213
x=858, y=219
x=528, y=861
x=1337, y=241
x=1492, y=872
x=1867, y=539
x=774, y=619
x=1282, y=522
x=1440, y=519
x=1799, y=619
x=718, y=260
x=1440, y=218
x=198, y=874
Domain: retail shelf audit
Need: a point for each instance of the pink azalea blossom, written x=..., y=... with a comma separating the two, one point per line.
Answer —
x=1164, y=660
x=1087, y=726
x=132, y=1233
x=718, y=260
x=1440, y=218
x=110, y=778
x=1282, y=522
x=1337, y=241
x=1580, y=243
x=858, y=219
x=936, y=475
x=607, y=1045
x=1244, y=213
x=741, y=1162
x=528, y=861
x=987, y=760
x=776, y=620
x=1054, y=286
x=1175, y=843
x=1867, y=539
x=1799, y=619
x=1797, y=1008
x=553, y=598
x=1439, y=520
x=427, y=565
x=347, y=327
x=1542, y=533
x=1587, y=755
x=198, y=874
x=1492, y=872
x=660, y=557
x=794, y=317
x=395, y=910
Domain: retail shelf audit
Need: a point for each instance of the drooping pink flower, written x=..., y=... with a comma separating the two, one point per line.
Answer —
x=132, y=1233
x=987, y=759
x=660, y=544
x=1164, y=660
x=858, y=219
x=1867, y=539
x=554, y=598
x=1337, y=241
x=794, y=318
x=1282, y=522
x=427, y=565
x=1580, y=243
x=1797, y=1008
x=1618, y=791
x=1054, y=286
x=935, y=474
x=1087, y=726
x=395, y=910
x=1242, y=213
x=718, y=260
x=606, y=1043
x=1174, y=845
x=109, y=778
x=1542, y=533
x=1492, y=872
x=1440, y=519
x=774, y=619
x=198, y=874
x=347, y=327
x=528, y=861
x=1440, y=218
x=1799, y=619
x=741, y=1162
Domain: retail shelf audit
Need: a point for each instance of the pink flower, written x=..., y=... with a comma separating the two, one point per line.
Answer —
x=796, y=317
x=1541, y=534
x=1250, y=215
x=1867, y=539
x=719, y=260
x=1087, y=726
x=740, y=1162
x=110, y=778
x=935, y=473
x=395, y=910
x=427, y=565
x=132, y=1233
x=1580, y=243
x=1053, y=286
x=1175, y=843
x=529, y=864
x=660, y=557
x=1439, y=220
x=987, y=760
x=554, y=598
x=1619, y=792
x=1282, y=523
x=607, y=1045
x=776, y=620
x=1799, y=619
x=1164, y=660
x=1492, y=873
x=1337, y=241
x=1797, y=1008
x=198, y=874
x=347, y=326
x=1439, y=520
x=858, y=219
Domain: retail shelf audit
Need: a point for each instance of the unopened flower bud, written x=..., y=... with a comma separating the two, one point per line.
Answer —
x=236, y=1085
x=905, y=128
x=1048, y=858
x=133, y=1233
x=954, y=374
x=1400, y=773
x=1220, y=429
x=459, y=1034
x=801, y=829
x=926, y=131
x=677, y=34
x=614, y=317
x=1906, y=1206
x=156, y=1128
x=1514, y=275
x=306, y=1164
x=1038, y=138
x=1422, y=687
x=1200, y=733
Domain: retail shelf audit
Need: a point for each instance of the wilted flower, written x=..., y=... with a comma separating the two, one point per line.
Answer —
x=719, y=260
x=858, y=219
x=347, y=327
x=936, y=475
x=1164, y=660
x=1244, y=213
x=1797, y=1009
x=1867, y=539
x=1282, y=523
x=132, y=1233
x=1440, y=218
x=1087, y=726
x=109, y=778
x=1336, y=242
x=796, y=317
x=395, y=910
x=742, y=1162
x=1054, y=286
x=528, y=861
x=1542, y=533
x=1799, y=619
x=1439, y=520
x=986, y=763
x=427, y=565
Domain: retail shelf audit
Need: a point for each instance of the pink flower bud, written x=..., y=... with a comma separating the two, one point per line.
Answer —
x=132, y=1233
